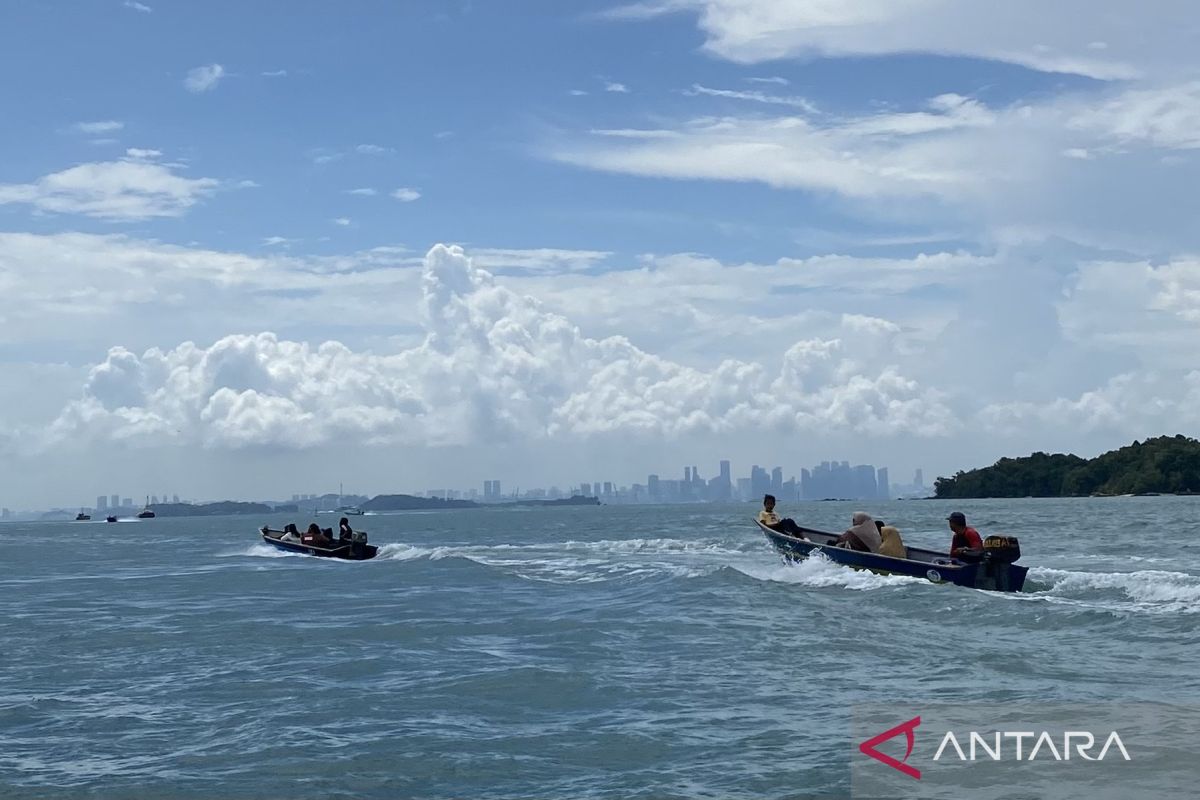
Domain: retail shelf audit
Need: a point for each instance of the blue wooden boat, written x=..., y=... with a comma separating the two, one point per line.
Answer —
x=991, y=568
x=347, y=549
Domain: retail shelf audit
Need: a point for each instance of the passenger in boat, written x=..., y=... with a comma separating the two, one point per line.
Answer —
x=965, y=538
x=861, y=535
x=345, y=532
x=315, y=536
x=769, y=518
x=290, y=533
x=890, y=543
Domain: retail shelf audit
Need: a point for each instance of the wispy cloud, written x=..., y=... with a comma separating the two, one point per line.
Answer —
x=372, y=149
x=753, y=96
x=114, y=190
x=577, y=93
x=406, y=195
x=365, y=191
x=275, y=73
x=142, y=154
x=102, y=126
x=136, y=6
x=275, y=241
x=343, y=221
x=775, y=79
x=204, y=79
x=613, y=86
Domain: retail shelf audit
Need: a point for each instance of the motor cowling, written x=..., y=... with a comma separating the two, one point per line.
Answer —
x=1003, y=549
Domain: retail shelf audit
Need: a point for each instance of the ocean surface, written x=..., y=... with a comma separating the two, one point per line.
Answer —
x=616, y=652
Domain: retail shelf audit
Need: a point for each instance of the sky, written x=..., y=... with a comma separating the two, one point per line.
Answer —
x=254, y=249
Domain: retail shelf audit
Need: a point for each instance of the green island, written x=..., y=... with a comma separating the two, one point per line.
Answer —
x=1162, y=465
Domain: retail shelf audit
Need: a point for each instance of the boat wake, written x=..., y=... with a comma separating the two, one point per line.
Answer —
x=607, y=560
x=819, y=572
x=1150, y=590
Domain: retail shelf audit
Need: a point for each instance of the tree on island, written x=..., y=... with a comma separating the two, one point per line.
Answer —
x=1166, y=464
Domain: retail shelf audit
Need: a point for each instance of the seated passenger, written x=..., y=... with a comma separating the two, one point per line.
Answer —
x=769, y=518
x=861, y=535
x=890, y=543
x=315, y=537
x=290, y=533
x=965, y=538
x=345, y=532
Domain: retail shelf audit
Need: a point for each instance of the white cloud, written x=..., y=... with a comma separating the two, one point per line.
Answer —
x=364, y=192
x=113, y=190
x=1061, y=37
x=342, y=221
x=775, y=79
x=141, y=154
x=613, y=86
x=275, y=73
x=271, y=241
x=372, y=149
x=406, y=195
x=577, y=93
x=494, y=365
x=543, y=260
x=757, y=97
x=102, y=126
x=136, y=6
x=204, y=79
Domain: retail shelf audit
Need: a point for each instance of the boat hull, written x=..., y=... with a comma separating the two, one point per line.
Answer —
x=925, y=564
x=346, y=551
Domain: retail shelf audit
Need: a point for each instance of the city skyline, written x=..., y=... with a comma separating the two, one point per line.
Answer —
x=827, y=480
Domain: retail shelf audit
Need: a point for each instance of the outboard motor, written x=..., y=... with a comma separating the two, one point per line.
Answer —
x=358, y=541
x=998, y=553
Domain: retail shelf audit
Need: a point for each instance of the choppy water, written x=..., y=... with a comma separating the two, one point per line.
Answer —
x=596, y=652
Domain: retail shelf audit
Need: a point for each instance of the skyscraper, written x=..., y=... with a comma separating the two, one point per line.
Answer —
x=919, y=479
x=114, y=500
x=884, y=485
x=777, y=480
x=652, y=488
x=101, y=503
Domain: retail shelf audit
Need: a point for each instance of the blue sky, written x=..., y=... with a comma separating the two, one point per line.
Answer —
x=915, y=233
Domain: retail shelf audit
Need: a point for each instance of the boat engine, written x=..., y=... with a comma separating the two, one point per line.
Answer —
x=994, y=559
x=357, y=541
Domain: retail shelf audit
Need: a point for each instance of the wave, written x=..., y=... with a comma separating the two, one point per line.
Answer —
x=819, y=572
x=1156, y=591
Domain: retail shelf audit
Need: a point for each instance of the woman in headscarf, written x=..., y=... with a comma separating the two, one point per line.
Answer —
x=861, y=535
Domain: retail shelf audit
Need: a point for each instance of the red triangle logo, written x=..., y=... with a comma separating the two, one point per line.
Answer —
x=907, y=728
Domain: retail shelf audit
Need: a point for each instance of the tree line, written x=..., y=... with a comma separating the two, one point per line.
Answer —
x=1166, y=464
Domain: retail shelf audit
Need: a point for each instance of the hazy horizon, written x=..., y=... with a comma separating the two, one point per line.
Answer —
x=455, y=242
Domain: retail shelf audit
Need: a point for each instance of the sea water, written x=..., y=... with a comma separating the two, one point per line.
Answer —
x=656, y=651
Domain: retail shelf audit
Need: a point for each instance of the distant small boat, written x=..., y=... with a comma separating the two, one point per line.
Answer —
x=110, y=518
x=82, y=517
x=347, y=550
x=145, y=513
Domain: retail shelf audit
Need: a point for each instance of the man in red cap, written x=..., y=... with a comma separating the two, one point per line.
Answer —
x=965, y=538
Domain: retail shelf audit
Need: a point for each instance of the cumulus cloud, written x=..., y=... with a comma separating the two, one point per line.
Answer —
x=493, y=365
x=204, y=79
x=613, y=86
x=136, y=6
x=406, y=195
x=126, y=190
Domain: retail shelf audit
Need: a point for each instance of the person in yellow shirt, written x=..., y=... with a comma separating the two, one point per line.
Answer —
x=769, y=518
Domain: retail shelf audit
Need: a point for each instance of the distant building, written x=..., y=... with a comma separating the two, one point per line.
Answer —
x=652, y=488
x=491, y=491
x=126, y=503
x=919, y=479
x=115, y=501
x=5, y=513
x=174, y=498
x=101, y=503
x=883, y=484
